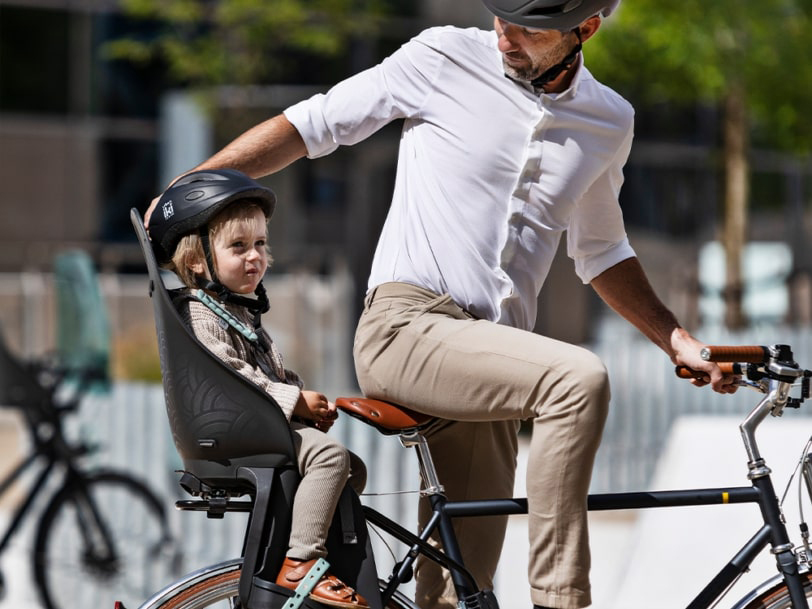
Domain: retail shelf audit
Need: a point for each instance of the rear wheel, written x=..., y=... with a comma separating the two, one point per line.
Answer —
x=217, y=588
x=102, y=538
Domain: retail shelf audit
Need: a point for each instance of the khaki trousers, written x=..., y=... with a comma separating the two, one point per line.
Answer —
x=421, y=350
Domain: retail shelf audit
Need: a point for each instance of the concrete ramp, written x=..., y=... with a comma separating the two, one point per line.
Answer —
x=673, y=552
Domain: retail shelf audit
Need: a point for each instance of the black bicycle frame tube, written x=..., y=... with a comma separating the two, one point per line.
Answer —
x=22, y=510
x=780, y=542
x=613, y=501
x=418, y=545
x=732, y=570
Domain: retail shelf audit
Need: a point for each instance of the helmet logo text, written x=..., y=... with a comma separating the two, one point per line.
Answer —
x=168, y=210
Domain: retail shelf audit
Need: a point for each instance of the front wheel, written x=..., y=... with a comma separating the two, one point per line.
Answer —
x=774, y=594
x=217, y=587
x=103, y=537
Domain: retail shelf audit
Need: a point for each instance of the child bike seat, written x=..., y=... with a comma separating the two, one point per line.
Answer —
x=220, y=421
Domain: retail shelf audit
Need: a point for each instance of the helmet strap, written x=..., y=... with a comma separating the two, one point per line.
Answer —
x=203, y=233
x=555, y=71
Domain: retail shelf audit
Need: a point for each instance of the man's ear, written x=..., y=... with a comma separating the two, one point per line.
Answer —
x=588, y=28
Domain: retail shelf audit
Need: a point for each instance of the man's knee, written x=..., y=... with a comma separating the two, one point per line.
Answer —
x=595, y=378
x=579, y=388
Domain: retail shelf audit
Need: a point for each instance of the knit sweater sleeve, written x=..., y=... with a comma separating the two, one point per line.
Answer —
x=235, y=350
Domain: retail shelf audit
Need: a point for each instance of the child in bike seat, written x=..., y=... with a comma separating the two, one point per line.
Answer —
x=211, y=229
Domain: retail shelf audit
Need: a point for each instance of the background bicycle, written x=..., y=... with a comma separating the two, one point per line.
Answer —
x=87, y=529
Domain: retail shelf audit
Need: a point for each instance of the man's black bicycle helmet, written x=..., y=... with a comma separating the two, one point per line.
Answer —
x=193, y=200
x=550, y=14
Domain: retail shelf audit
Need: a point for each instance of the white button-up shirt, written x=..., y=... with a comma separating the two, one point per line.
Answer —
x=490, y=173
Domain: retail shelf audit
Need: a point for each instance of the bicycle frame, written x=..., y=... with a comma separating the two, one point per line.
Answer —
x=761, y=493
x=771, y=371
x=773, y=533
x=22, y=509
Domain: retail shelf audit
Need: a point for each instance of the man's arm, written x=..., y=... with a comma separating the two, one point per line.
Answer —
x=266, y=148
x=626, y=289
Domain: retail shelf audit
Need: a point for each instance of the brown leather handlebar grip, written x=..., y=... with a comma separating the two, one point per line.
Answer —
x=751, y=354
x=684, y=372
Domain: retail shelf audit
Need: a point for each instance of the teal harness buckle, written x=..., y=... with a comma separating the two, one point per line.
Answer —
x=307, y=584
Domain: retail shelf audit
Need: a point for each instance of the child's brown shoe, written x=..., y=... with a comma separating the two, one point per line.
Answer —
x=329, y=590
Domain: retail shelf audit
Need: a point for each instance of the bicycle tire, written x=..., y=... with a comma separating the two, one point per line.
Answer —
x=774, y=594
x=205, y=588
x=73, y=568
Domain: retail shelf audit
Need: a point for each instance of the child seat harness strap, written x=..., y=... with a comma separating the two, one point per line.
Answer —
x=221, y=312
x=253, y=337
x=307, y=584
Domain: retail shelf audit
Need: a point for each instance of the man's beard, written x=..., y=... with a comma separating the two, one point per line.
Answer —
x=538, y=64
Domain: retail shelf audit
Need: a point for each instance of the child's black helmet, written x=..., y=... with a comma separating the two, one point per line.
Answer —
x=561, y=15
x=193, y=200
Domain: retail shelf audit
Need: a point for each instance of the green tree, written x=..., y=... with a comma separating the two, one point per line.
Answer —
x=751, y=59
x=240, y=42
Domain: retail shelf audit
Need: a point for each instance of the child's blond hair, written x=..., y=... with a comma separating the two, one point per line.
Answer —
x=189, y=250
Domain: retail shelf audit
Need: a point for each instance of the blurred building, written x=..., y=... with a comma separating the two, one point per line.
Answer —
x=84, y=139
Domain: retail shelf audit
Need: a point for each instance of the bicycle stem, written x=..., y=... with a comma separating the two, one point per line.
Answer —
x=774, y=403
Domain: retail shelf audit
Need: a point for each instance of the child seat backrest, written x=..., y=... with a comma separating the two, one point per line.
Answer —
x=83, y=324
x=219, y=420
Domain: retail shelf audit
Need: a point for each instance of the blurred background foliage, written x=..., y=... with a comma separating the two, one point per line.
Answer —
x=243, y=42
x=658, y=50
x=748, y=59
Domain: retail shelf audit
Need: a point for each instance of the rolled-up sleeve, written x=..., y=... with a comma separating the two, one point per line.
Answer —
x=596, y=237
x=357, y=107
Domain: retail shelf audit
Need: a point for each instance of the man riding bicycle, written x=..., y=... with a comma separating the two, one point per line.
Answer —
x=508, y=142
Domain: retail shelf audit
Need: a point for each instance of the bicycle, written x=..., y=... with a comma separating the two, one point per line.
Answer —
x=770, y=370
x=234, y=443
x=100, y=528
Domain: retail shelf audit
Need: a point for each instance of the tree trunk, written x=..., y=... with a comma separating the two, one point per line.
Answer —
x=736, y=143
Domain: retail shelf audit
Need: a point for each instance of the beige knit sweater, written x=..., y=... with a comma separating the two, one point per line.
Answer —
x=234, y=349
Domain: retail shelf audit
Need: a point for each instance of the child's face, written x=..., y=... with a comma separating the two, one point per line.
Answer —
x=240, y=255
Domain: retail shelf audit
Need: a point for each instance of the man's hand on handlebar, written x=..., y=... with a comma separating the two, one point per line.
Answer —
x=687, y=353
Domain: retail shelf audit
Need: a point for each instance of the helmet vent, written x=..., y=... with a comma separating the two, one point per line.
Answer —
x=557, y=9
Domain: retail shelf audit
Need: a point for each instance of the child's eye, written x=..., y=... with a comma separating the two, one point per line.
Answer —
x=260, y=243
x=238, y=244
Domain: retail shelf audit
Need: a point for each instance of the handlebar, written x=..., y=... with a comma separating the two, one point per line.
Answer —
x=684, y=372
x=760, y=368
x=742, y=354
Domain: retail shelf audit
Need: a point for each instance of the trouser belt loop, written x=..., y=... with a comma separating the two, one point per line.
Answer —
x=370, y=297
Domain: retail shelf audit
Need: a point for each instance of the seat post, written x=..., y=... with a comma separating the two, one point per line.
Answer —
x=413, y=438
